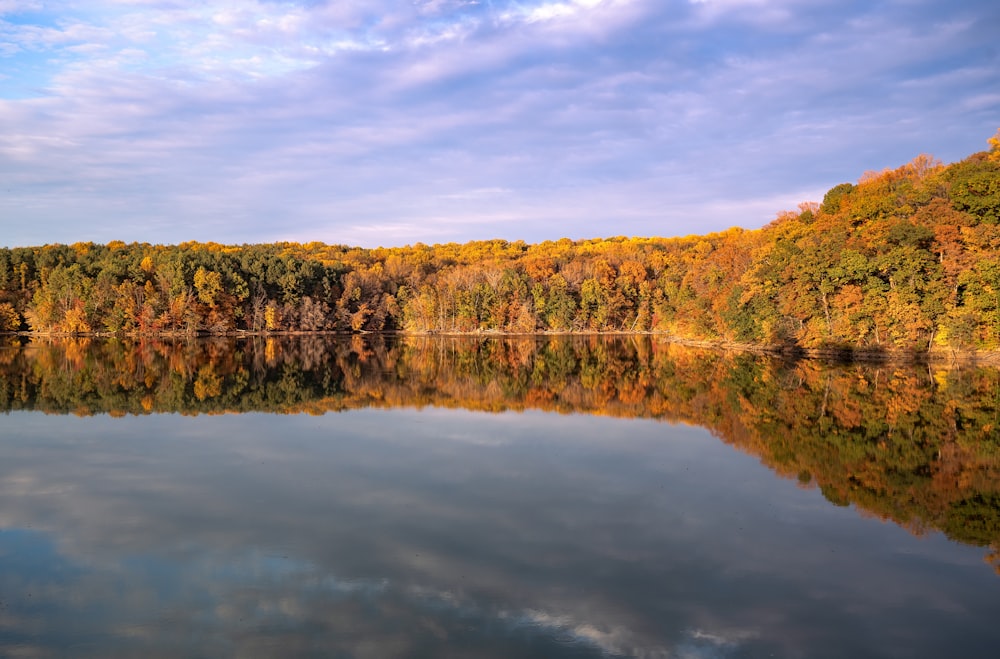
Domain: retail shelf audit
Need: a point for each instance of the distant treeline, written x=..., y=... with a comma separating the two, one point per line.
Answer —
x=915, y=445
x=907, y=259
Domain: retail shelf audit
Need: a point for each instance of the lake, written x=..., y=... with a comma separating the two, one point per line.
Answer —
x=522, y=497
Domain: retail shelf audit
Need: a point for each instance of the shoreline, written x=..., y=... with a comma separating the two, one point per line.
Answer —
x=841, y=354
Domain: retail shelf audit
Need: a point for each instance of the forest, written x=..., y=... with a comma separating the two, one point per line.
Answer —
x=904, y=260
x=909, y=443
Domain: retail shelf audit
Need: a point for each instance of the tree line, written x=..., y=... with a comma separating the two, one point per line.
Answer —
x=906, y=259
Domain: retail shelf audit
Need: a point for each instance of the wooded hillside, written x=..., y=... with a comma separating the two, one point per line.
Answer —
x=906, y=259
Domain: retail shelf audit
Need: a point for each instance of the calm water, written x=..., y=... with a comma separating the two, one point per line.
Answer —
x=561, y=498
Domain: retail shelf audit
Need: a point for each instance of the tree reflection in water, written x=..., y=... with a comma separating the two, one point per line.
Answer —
x=915, y=444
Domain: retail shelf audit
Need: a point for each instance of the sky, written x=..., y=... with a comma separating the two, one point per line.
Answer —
x=390, y=122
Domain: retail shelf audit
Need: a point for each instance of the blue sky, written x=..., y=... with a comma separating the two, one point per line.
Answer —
x=389, y=122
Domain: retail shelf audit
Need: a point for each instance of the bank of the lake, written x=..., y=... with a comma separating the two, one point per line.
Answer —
x=829, y=353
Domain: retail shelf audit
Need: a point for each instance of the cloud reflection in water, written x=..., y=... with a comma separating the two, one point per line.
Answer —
x=446, y=533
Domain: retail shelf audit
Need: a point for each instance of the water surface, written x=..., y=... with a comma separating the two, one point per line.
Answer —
x=490, y=499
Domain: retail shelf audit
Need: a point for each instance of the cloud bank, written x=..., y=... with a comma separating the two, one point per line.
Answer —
x=383, y=123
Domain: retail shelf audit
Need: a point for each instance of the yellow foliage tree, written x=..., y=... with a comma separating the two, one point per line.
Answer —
x=272, y=318
x=994, y=143
x=75, y=320
x=10, y=320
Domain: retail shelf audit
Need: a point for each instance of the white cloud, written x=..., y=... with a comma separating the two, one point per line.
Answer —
x=593, y=118
x=557, y=10
x=18, y=6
